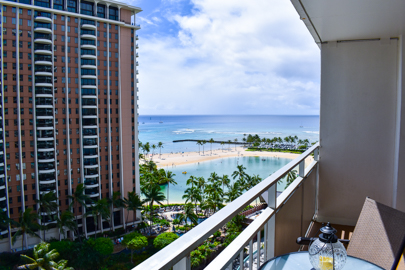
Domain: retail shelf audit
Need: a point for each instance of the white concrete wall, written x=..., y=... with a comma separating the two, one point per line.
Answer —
x=358, y=124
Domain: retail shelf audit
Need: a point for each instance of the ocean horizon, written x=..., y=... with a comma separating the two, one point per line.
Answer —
x=167, y=128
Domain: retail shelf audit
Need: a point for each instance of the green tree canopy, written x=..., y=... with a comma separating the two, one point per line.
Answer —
x=138, y=241
x=164, y=239
x=104, y=246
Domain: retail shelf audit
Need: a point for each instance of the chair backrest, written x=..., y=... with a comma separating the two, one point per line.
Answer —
x=378, y=234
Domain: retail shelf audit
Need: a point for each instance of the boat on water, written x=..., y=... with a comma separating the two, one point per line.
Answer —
x=184, y=172
x=160, y=122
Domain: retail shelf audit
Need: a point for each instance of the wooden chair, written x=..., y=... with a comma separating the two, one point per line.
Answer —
x=379, y=236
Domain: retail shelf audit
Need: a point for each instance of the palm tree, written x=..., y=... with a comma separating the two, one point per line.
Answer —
x=132, y=203
x=230, y=142
x=160, y=145
x=234, y=191
x=100, y=209
x=66, y=220
x=211, y=141
x=115, y=202
x=192, y=181
x=214, y=192
x=240, y=173
x=27, y=224
x=47, y=205
x=189, y=214
x=193, y=195
x=78, y=197
x=5, y=221
x=222, y=143
x=199, y=143
x=225, y=181
x=154, y=194
x=236, y=140
x=153, y=149
x=146, y=149
x=203, y=142
x=169, y=179
x=291, y=176
x=44, y=259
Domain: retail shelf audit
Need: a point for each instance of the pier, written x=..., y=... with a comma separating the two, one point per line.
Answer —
x=207, y=141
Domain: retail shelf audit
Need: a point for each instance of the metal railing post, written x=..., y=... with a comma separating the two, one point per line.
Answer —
x=183, y=264
x=258, y=242
x=316, y=154
x=301, y=168
x=271, y=224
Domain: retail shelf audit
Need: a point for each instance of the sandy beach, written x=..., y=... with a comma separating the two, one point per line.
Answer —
x=180, y=158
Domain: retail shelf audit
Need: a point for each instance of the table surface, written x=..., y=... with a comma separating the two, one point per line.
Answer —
x=300, y=260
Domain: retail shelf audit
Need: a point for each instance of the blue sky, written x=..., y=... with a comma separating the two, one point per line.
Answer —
x=225, y=57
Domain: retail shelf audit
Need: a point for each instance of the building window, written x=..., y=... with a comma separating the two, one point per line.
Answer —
x=58, y=4
x=42, y=3
x=72, y=5
x=86, y=8
x=101, y=11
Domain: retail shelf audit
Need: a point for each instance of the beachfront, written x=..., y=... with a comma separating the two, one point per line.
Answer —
x=168, y=160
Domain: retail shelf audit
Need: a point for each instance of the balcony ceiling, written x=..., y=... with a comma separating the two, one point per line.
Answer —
x=331, y=20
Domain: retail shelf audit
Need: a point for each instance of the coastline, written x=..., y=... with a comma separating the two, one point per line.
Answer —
x=181, y=158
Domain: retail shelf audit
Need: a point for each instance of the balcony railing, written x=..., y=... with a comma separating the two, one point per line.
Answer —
x=177, y=254
x=44, y=134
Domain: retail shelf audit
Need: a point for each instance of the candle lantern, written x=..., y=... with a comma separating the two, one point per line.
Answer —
x=327, y=252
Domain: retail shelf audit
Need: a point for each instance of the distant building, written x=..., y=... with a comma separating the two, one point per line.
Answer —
x=69, y=105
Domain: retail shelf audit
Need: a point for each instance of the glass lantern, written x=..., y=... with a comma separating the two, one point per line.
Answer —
x=326, y=252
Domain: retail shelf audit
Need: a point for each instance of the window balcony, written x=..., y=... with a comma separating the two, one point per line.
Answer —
x=43, y=38
x=89, y=93
x=293, y=201
x=89, y=113
x=42, y=59
x=90, y=132
x=40, y=27
x=90, y=153
x=46, y=156
x=88, y=63
x=42, y=17
x=88, y=34
x=89, y=102
x=44, y=101
x=44, y=123
x=45, y=135
x=45, y=145
x=91, y=176
x=43, y=70
x=88, y=26
x=44, y=113
x=40, y=48
x=89, y=123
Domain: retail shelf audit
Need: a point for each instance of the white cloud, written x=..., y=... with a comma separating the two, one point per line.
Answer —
x=231, y=57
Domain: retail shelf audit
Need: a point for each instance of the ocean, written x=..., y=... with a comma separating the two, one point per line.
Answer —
x=166, y=129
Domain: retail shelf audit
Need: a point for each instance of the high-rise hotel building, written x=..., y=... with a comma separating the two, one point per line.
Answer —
x=68, y=106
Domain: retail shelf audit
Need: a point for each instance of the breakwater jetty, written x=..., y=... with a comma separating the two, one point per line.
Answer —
x=207, y=141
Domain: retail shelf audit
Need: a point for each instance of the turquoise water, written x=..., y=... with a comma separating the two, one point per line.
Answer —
x=254, y=165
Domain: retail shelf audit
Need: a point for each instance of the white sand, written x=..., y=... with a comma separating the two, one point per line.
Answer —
x=168, y=159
